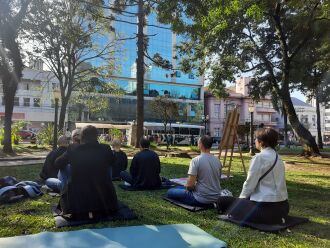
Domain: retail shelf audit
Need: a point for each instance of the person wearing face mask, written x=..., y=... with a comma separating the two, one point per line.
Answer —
x=264, y=197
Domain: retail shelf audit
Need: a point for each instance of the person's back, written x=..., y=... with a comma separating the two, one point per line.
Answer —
x=272, y=188
x=207, y=168
x=48, y=169
x=120, y=160
x=145, y=168
x=264, y=197
x=89, y=188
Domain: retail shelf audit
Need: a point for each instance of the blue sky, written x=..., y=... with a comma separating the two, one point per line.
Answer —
x=299, y=95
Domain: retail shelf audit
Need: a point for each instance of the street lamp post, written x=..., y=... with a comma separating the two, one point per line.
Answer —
x=57, y=95
x=205, y=119
x=251, y=110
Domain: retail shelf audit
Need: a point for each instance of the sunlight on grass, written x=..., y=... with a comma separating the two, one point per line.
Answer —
x=308, y=186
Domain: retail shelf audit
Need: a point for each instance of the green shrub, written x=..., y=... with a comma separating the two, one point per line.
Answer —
x=115, y=133
x=45, y=135
x=15, y=127
x=194, y=148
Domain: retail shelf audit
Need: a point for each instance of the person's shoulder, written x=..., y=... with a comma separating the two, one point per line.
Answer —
x=197, y=159
x=105, y=146
x=122, y=153
x=73, y=147
x=153, y=152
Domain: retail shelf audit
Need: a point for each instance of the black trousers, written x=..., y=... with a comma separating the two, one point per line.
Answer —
x=246, y=210
x=127, y=177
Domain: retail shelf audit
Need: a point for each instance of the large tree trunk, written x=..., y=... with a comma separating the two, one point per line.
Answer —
x=304, y=135
x=140, y=75
x=318, y=119
x=10, y=49
x=9, y=94
x=286, y=139
x=63, y=107
x=166, y=136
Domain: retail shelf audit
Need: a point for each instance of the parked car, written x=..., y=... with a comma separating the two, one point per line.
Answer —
x=27, y=135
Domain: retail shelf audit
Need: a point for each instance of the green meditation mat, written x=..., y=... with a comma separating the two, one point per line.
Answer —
x=147, y=236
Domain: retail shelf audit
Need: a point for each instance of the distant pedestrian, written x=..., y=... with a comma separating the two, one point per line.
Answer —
x=192, y=140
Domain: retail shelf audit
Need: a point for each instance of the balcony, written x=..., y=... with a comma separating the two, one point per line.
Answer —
x=258, y=122
x=265, y=110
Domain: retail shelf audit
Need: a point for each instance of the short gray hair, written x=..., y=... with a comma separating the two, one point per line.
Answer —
x=116, y=143
x=76, y=135
x=62, y=141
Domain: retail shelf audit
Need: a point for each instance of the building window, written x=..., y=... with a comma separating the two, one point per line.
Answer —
x=178, y=74
x=16, y=101
x=27, y=87
x=36, y=102
x=3, y=101
x=216, y=132
x=191, y=76
x=314, y=120
x=304, y=119
x=217, y=110
x=52, y=104
x=26, y=102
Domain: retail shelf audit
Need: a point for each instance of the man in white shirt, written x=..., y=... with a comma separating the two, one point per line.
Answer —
x=203, y=184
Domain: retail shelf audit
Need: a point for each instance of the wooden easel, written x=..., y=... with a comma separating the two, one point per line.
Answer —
x=229, y=138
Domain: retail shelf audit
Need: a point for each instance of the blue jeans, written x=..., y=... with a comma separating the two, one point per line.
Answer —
x=181, y=194
x=57, y=184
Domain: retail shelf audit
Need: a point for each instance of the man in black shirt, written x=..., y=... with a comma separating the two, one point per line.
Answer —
x=145, y=168
x=89, y=187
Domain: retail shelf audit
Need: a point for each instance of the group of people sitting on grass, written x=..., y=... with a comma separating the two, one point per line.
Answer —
x=83, y=171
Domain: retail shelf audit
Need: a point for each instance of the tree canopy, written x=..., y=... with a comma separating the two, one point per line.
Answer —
x=262, y=38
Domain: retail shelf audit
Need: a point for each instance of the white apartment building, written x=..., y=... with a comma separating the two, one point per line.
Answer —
x=34, y=100
x=307, y=116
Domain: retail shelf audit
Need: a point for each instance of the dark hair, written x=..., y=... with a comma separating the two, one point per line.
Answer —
x=261, y=125
x=144, y=143
x=89, y=134
x=206, y=141
x=267, y=136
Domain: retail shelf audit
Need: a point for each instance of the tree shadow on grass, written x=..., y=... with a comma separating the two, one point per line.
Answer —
x=312, y=228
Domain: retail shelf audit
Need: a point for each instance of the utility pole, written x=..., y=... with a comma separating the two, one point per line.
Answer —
x=140, y=74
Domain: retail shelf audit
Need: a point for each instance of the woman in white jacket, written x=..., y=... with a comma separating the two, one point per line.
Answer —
x=264, y=197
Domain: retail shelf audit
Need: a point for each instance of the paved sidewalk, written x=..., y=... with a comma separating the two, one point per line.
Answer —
x=21, y=162
x=26, y=156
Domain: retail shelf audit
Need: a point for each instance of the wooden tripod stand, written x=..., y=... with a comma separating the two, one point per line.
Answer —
x=229, y=139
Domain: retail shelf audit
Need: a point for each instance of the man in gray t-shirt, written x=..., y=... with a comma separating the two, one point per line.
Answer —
x=203, y=184
x=206, y=168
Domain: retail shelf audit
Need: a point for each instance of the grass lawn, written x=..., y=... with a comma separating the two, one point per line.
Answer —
x=308, y=185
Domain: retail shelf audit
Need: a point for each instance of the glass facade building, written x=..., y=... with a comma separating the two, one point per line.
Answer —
x=186, y=89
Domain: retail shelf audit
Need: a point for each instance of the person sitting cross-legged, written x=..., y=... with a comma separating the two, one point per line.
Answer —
x=48, y=172
x=264, y=197
x=54, y=178
x=145, y=168
x=120, y=162
x=89, y=188
x=203, y=183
